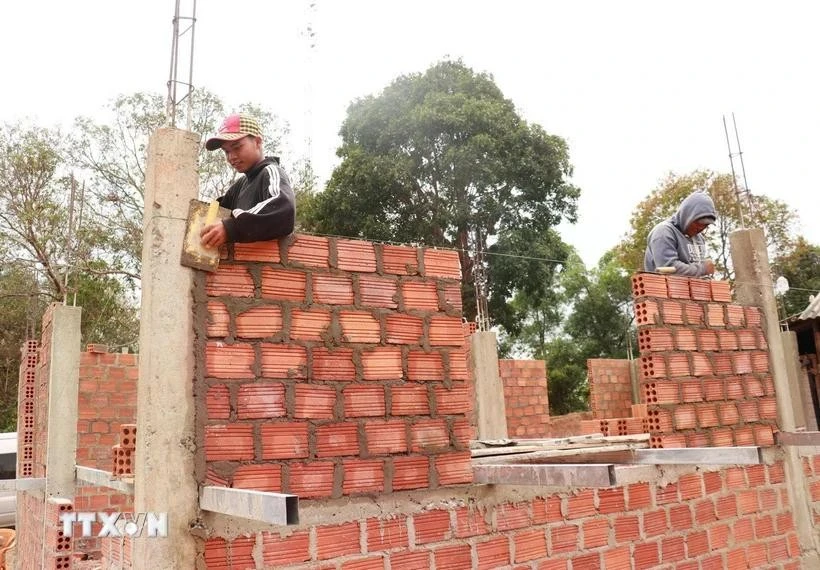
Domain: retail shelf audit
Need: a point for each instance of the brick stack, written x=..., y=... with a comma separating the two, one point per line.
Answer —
x=610, y=399
x=124, y=451
x=525, y=397
x=334, y=367
x=57, y=549
x=26, y=407
x=704, y=365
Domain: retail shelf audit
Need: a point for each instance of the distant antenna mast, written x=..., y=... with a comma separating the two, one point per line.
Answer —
x=310, y=45
x=743, y=195
x=175, y=95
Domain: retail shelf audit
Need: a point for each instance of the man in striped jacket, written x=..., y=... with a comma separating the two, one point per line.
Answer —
x=261, y=202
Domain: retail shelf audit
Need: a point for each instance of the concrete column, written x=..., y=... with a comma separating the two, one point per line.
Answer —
x=753, y=286
x=63, y=393
x=164, y=479
x=789, y=341
x=491, y=416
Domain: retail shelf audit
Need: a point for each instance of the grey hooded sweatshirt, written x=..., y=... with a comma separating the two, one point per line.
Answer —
x=668, y=245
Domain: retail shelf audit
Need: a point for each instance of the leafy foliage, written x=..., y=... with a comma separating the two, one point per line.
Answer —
x=442, y=158
x=801, y=266
x=774, y=216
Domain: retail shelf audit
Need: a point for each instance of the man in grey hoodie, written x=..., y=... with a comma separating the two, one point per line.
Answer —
x=677, y=242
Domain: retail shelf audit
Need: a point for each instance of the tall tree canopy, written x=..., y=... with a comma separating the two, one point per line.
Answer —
x=774, y=216
x=801, y=266
x=442, y=158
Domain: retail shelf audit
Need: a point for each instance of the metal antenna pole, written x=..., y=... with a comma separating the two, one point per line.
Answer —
x=743, y=170
x=68, y=247
x=734, y=176
x=174, y=100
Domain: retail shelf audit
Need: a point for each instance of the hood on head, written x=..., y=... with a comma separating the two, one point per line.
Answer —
x=697, y=205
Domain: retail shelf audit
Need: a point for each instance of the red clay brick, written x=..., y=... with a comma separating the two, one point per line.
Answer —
x=595, y=533
x=259, y=401
x=369, y=563
x=283, y=361
x=337, y=540
x=314, y=401
x=259, y=322
x=355, y=255
x=359, y=326
x=382, y=363
x=581, y=505
x=363, y=476
x=457, y=360
x=386, y=437
x=284, y=440
x=378, y=292
x=455, y=557
x=218, y=403
x=564, y=538
x=404, y=329
x=409, y=399
x=442, y=263
x=363, y=401
x=386, y=534
x=432, y=526
x=530, y=545
x=655, y=523
x=446, y=331
x=493, y=553
x=218, y=319
x=265, y=251
x=452, y=297
x=258, y=478
x=309, y=325
x=410, y=472
x=312, y=480
x=410, y=559
x=471, y=521
x=232, y=442
x=646, y=555
x=424, y=366
x=400, y=260
x=429, y=435
x=456, y=400
x=512, y=516
x=420, y=295
x=337, y=439
x=618, y=559
x=627, y=529
x=332, y=289
x=312, y=251
x=454, y=468
x=336, y=365
x=229, y=361
x=230, y=280
x=283, y=284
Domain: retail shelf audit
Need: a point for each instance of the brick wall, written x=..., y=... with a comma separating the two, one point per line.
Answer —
x=333, y=367
x=525, y=397
x=737, y=517
x=704, y=364
x=610, y=387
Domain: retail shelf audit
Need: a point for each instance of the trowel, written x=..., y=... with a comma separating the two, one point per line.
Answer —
x=194, y=254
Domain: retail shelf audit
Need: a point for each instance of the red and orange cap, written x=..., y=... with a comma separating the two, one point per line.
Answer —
x=234, y=127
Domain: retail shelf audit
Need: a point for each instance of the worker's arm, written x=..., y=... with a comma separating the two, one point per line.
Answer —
x=664, y=248
x=272, y=217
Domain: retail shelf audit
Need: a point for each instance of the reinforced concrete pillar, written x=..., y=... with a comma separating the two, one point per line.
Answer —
x=491, y=415
x=164, y=479
x=753, y=286
x=792, y=358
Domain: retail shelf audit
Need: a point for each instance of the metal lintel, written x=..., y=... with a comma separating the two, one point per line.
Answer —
x=564, y=475
x=24, y=484
x=809, y=438
x=700, y=456
x=272, y=508
x=100, y=478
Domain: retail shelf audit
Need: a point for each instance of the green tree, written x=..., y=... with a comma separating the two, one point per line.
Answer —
x=442, y=158
x=801, y=266
x=774, y=216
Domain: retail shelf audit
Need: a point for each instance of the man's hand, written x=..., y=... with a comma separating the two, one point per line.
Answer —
x=214, y=235
x=709, y=266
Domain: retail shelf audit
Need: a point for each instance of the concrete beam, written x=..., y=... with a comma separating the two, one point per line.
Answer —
x=700, y=456
x=164, y=475
x=491, y=416
x=63, y=403
x=100, y=478
x=272, y=508
x=25, y=484
x=565, y=475
x=799, y=438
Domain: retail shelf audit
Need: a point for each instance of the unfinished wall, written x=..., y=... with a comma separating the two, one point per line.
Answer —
x=525, y=397
x=730, y=518
x=704, y=365
x=610, y=387
x=333, y=367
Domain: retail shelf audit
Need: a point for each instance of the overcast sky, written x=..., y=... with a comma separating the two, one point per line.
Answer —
x=637, y=89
